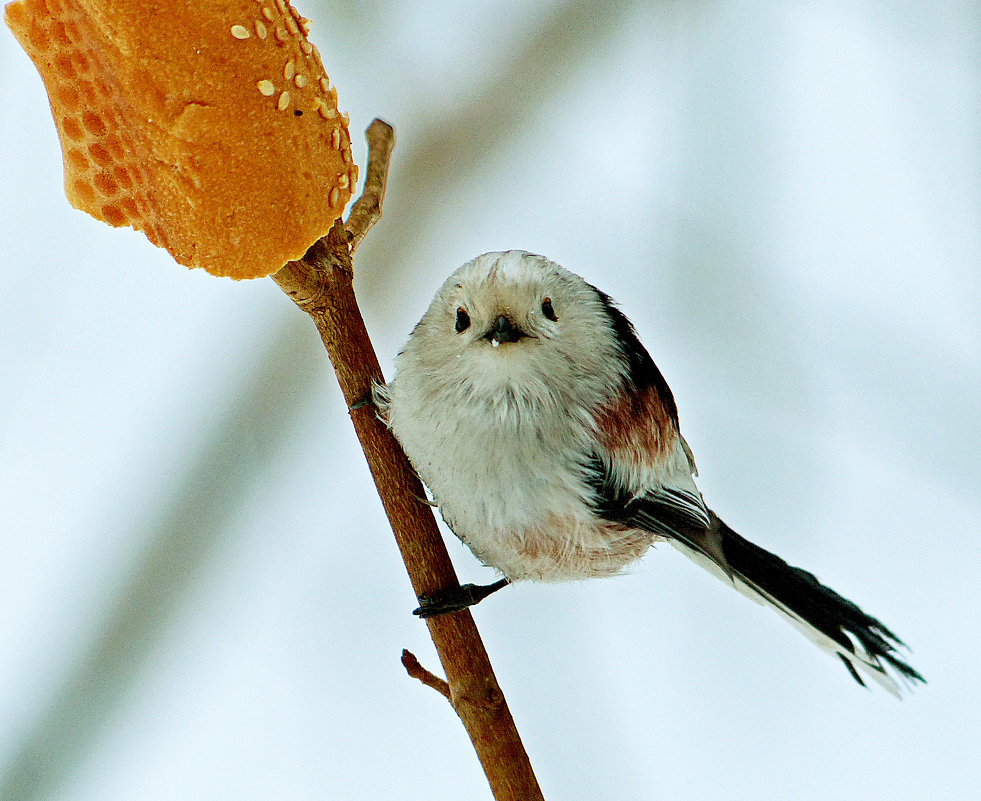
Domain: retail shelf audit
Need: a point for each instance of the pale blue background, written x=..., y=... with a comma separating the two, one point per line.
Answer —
x=199, y=595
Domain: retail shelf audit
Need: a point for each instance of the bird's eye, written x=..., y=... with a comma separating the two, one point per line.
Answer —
x=548, y=311
x=462, y=320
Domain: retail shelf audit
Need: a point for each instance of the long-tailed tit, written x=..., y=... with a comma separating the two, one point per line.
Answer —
x=550, y=443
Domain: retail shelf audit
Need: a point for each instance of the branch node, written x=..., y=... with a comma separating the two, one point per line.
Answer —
x=417, y=671
x=367, y=209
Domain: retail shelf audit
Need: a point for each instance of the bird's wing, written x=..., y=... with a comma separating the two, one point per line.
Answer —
x=672, y=509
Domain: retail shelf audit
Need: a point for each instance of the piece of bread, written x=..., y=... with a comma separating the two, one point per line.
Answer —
x=210, y=126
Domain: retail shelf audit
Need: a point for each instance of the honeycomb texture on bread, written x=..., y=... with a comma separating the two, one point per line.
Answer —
x=210, y=126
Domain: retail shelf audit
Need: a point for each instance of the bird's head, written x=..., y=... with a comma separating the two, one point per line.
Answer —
x=514, y=324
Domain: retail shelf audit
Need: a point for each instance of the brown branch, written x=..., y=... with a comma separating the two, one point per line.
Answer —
x=415, y=669
x=321, y=285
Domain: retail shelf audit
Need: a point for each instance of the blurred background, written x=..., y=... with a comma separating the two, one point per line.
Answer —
x=199, y=595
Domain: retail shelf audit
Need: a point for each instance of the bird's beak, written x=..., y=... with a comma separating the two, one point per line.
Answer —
x=504, y=330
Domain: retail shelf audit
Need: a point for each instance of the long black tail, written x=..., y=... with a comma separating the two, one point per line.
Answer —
x=863, y=644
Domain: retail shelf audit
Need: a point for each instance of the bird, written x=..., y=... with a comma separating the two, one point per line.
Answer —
x=550, y=442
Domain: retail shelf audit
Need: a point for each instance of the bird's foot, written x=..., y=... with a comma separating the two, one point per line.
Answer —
x=456, y=599
x=361, y=403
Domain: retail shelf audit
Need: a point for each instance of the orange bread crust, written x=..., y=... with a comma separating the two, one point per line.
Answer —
x=210, y=126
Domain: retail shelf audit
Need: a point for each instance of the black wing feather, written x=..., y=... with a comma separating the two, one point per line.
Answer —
x=642, y=373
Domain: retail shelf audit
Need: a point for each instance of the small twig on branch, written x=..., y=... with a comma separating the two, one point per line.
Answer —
x=415, y=669
x=321, y=284
x=367, y=209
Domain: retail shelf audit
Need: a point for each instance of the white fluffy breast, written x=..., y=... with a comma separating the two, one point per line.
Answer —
x=514, y=491
x=493, y=466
